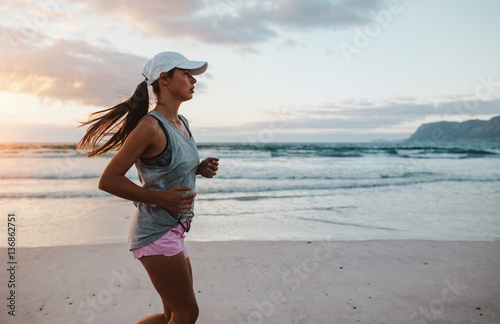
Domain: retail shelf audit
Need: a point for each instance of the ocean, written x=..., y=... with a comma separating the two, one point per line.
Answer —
x=297, y=191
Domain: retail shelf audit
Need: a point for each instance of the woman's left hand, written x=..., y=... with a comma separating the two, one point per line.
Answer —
x=208, y=167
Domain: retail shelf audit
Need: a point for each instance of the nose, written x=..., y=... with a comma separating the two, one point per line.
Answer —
x=193, y=80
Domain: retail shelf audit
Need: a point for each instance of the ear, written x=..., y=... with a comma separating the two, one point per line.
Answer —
x=163, y=78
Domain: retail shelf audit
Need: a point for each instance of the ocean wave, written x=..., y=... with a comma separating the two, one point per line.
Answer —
x=347, y=224
x=368, y=175
x=235, y=154
x=47, y=155
x=351, y=150
x=59, y=176
x=52, y=195
x=29, y=150
x=449, y=153
x=277, y=150
x=256, y=193
x=260, y=176
x=249, y=194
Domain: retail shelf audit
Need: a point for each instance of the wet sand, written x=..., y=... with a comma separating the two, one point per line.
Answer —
x=267, y=282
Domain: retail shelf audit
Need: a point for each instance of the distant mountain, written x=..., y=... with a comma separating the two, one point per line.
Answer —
x=468, y=131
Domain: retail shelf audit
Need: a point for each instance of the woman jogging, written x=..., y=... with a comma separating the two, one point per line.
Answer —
x=161, y=146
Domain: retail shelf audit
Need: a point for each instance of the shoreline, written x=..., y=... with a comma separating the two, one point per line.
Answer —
x=193, y=241
x=373, y=281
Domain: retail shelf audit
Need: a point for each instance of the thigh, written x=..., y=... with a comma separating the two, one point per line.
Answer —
x=172, y=280
x=190, y=269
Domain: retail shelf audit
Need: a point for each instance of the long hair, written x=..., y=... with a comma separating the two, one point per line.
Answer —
x=116, y=122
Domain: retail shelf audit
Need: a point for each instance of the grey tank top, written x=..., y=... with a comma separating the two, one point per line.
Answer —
x=175, y=166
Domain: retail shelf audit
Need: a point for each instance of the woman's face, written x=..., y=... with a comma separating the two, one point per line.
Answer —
x=181, y=85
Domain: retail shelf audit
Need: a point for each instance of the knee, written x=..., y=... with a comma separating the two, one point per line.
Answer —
x=189, y=315
x=193, y=313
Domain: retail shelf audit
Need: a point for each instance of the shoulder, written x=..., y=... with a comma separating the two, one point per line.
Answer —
x=147, y=128
x=150, y=122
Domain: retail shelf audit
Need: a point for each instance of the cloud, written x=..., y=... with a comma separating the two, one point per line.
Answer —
x=388, y=114
x=76, y=71
x=59, y=69
x=39, y=133
x=389, y=117
x=149, y=9
x=240, y=24
x=406, y=109
x=311, y=14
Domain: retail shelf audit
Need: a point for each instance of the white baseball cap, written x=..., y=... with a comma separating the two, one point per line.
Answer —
x=166, y=61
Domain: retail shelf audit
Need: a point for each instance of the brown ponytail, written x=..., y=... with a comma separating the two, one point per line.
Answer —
x=117, y=122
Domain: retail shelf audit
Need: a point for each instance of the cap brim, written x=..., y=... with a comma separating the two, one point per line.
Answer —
x=196, y=67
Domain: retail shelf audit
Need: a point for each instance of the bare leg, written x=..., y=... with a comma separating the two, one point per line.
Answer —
x=189, y=268
x=172, y=278
x=167, y=312
x=153, y=319
x=160, y=318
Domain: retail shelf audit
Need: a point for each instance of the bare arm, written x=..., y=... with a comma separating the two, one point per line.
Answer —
x=113, y=178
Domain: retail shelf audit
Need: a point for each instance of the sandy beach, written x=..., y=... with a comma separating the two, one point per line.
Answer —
x=268, y=282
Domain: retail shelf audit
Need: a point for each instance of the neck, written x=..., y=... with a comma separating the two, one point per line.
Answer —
x=168, y=109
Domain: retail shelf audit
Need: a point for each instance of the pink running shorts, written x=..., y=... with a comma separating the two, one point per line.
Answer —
x=171, y=243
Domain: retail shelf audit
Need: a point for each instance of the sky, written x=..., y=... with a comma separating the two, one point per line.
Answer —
x=278, y=71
